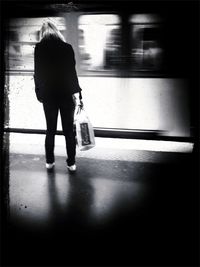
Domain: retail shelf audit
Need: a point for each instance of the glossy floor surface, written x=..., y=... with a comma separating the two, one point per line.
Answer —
x=116, y=210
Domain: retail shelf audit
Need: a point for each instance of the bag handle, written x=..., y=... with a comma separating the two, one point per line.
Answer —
x=80, y=106
x=80, y=98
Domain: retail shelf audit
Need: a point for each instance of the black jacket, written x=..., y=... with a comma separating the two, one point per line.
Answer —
x=55, y=74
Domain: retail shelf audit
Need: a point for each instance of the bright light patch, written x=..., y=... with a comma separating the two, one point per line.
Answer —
x=145, y=18
x=149, y=145
x=99, y=19
x=18, y=140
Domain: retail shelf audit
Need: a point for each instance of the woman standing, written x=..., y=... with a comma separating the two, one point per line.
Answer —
x=57, y=87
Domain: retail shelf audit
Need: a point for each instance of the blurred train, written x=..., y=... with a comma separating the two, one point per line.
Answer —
x=136, y=63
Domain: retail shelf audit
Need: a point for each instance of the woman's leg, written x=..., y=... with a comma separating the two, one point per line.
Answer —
x=67, y=118
x=51, y=114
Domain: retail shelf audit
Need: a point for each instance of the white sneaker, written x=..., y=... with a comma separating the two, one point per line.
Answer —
x=72, y=168
x=50, y=165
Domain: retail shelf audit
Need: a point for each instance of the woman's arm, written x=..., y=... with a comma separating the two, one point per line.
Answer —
x=37, y=74
x=75, y=87
x=77, y=99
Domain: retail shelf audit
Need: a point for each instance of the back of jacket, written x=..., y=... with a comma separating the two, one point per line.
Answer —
x=55, y=74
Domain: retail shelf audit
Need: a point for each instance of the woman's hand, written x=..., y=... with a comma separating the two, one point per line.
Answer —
x=77, y=100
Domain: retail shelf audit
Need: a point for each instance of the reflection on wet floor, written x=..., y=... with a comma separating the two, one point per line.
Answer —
x=96, y=191
x=111, y=212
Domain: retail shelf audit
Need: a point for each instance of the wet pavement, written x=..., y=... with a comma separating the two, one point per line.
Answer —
x=122, y=207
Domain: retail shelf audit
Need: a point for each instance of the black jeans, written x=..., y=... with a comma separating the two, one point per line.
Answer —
x=67, y=119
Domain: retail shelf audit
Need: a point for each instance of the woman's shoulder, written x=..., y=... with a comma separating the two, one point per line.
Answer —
x=68, y=49
x=67, y=45
x=59, y=46
x=38, y=45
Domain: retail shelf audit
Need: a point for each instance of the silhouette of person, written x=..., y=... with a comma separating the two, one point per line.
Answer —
x=57, y=87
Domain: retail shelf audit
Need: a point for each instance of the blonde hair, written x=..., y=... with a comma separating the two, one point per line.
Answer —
x=49, y=30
